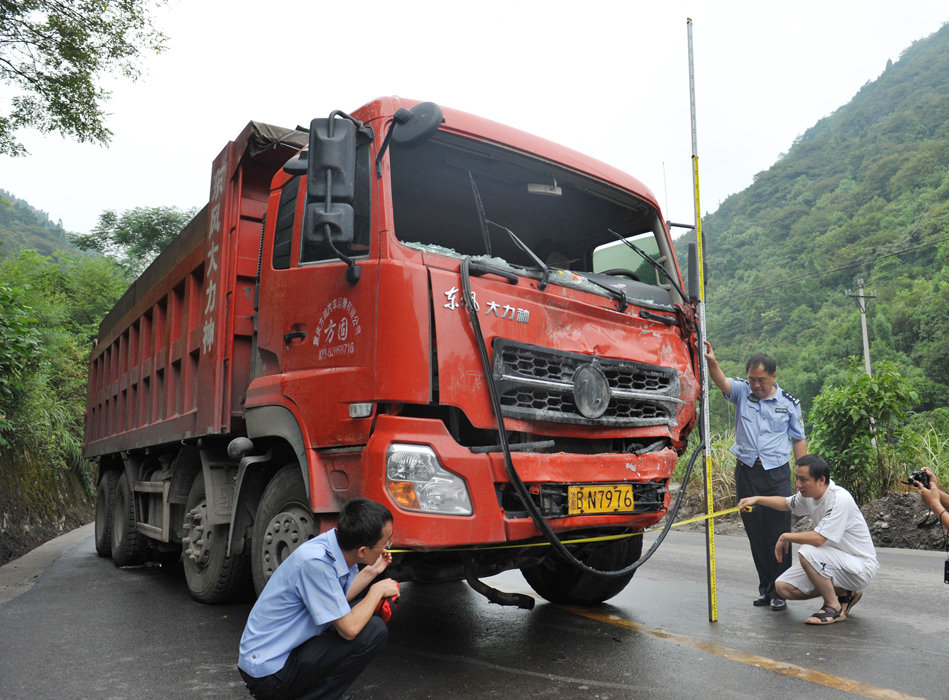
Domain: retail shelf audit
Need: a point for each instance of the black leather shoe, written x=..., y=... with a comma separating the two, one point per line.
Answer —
x=761, y=602
x=778, y=604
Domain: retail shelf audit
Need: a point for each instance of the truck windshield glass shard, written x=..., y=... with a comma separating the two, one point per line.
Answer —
x=417, y=481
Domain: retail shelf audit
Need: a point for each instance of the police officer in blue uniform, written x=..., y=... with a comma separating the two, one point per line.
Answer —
x=766, y=417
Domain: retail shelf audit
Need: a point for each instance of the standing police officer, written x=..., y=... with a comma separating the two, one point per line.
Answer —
x=765, y=418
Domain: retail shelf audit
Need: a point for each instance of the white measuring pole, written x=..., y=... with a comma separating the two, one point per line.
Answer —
x=709, y=506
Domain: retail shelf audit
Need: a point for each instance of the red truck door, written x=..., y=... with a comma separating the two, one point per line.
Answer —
x=315, y=328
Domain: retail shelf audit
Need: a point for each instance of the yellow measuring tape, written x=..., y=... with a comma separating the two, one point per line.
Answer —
x=585, y=540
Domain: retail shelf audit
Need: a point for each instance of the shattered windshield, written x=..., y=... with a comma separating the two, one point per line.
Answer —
x=463, y=197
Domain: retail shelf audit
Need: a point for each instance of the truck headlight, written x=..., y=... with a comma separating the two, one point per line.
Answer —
x=416, y=481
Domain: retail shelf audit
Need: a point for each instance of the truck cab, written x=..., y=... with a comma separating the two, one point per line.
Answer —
x=587, y=342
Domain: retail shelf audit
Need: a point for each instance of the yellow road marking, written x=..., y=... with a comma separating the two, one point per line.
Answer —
x=793, y=670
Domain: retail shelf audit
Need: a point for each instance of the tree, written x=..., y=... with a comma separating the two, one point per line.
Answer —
x=134, y=238
x=50, y=308
x=53, y=52
x=853, y=427
x=19, y=341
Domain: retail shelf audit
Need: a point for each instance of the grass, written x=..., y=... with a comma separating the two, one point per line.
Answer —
x=722, y=470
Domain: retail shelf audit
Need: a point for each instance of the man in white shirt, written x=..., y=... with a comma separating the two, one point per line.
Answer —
x=837, y=559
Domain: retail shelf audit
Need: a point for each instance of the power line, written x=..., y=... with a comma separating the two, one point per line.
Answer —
x=820, y=273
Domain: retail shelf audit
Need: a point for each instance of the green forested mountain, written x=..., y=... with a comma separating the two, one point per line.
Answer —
x=864, y=193
x=23, y=227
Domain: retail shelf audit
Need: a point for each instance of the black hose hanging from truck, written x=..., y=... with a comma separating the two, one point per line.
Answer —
x=516, y=481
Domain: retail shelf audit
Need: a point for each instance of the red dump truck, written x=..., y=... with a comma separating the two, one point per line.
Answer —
x=483, y=330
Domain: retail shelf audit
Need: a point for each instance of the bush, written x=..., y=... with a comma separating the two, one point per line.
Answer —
x=44, y=350
x=19, y=345
x=855, y=427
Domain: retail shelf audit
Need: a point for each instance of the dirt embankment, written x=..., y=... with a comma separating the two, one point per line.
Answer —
x=37, y=504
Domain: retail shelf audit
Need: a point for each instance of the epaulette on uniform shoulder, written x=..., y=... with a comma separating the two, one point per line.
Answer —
x=790, y=397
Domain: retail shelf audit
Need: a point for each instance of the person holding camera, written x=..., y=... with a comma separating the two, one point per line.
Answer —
x=929, y=493
x=837, y=559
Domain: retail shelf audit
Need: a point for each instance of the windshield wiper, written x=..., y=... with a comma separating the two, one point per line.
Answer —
x=614, y=292
x=541, y=265
x=645, y=256
x=481, y=219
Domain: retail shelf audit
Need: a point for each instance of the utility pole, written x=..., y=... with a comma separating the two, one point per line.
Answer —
x=863, y=301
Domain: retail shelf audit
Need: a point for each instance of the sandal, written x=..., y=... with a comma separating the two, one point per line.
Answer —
x=848, y=601
x=827, y=616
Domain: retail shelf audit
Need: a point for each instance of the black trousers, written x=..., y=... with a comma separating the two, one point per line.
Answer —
x=765, y=525
x=323, y=667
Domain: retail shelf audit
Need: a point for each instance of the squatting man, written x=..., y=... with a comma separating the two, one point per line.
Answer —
x=307, y=636
x=836, y=560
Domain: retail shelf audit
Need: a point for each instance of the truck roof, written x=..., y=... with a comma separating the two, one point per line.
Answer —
x=489, y=130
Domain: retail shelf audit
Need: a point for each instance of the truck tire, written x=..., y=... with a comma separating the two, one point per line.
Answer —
x=561, y=582
x=212, y=575
x=105, y=511
x=128, y=544
x=284, y=521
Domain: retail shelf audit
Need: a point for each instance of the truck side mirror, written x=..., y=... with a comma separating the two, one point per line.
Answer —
x=417, y=125
x=330, y=186
x=331, y=163
x=411, y=128
x=328, y=225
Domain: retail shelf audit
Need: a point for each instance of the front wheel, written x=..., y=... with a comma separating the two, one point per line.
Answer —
x=284, y=521
x=212, y=575
x=561, y=582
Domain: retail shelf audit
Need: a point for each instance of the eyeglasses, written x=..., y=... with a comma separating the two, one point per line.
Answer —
x=387, y=545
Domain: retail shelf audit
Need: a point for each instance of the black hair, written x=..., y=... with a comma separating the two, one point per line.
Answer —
x=360, y=524
x=766, y=361
x=816, y=465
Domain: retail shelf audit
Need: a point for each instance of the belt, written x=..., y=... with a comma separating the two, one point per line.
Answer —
x=759, y=464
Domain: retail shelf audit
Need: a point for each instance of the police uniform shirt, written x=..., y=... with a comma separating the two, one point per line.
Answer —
x=763, y=426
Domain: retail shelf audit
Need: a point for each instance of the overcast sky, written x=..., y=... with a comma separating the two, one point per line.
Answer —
x=609, y=78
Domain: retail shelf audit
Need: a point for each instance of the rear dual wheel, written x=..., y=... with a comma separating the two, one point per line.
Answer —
x=105, y=512
x=213, y=576
x=128, y=544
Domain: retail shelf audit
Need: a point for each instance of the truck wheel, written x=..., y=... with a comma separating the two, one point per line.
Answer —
x=105, y=509
x=212, y=576
x=128, y=544
x=561, y=582
x=284, y=521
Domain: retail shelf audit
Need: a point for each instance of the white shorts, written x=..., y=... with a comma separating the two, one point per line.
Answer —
x=844, y=569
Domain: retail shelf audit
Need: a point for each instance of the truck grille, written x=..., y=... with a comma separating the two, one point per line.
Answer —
x=537, y=383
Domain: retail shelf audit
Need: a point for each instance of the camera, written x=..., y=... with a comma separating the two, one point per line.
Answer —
x=918, y=476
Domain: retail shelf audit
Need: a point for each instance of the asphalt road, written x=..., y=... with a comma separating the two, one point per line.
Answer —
x=74, y=626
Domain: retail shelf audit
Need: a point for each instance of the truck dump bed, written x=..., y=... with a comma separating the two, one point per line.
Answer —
x=173, y=357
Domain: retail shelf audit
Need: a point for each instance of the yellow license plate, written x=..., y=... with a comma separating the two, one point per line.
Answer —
x=600, y=498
